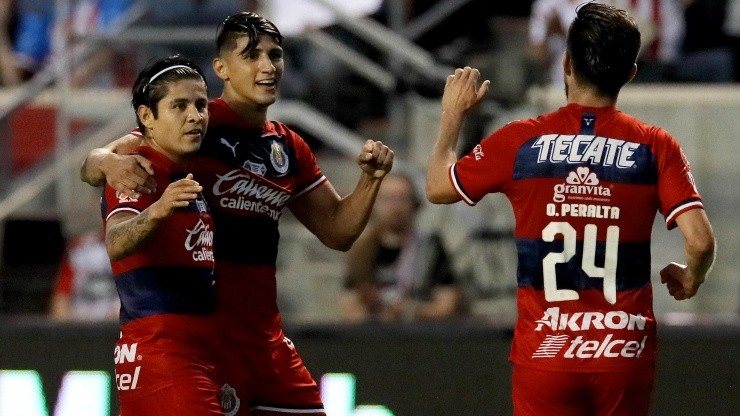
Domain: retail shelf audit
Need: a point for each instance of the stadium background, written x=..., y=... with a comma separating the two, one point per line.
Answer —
x=396, y=61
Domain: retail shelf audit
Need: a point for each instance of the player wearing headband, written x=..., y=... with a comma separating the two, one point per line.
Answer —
x=160, y=246
x=251, y=169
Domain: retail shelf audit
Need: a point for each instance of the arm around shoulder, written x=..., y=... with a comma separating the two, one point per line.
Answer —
x=130, y=174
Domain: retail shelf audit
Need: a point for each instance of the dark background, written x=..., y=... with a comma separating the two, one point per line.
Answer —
x=427, y=370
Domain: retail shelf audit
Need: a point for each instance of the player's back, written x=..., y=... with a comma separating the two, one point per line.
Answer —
x=585, y=185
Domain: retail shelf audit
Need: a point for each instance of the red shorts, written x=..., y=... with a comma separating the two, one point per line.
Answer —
x=269, y=379
x=555, y=393
x=165, y=366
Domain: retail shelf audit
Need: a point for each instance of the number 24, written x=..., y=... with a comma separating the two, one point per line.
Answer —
x=588, y=263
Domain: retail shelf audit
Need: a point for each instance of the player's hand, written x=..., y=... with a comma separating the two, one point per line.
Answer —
x=375, y=159
x=679, y=281
x=462, y=93
x=129, y=174
x=178, y=194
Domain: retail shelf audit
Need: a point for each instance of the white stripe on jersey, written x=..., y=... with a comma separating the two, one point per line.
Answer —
x=459, y=190
x=670, y=217
x=122, y=209
x=309, y=187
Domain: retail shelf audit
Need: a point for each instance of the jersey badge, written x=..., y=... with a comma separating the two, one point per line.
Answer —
x=122, y=197
x=256, y=168
x=229, y=400
x=200, y=203
x=278, y=157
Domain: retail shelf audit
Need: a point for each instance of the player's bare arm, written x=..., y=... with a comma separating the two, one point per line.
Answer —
x=443, y=303
x=128, y=174
x=360, y=263
x=462, y=94
x=126, y=232
x=337, y=221
x=683, y=281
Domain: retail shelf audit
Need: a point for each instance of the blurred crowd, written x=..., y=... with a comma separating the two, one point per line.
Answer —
x=682, y=40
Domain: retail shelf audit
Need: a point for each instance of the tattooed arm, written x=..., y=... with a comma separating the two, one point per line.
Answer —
x=126, y=232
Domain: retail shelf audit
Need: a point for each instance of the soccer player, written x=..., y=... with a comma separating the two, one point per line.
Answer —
x=160, y=247
x=251, y=169
x=585, y=183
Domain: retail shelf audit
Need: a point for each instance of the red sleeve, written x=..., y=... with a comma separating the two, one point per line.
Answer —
x=309, y=172
x=488, y=167
x=676, y=187
x=119, y=202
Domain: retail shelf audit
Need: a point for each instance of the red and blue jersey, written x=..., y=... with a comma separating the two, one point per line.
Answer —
x=248, y=176
x=172, y=272
x=585, y=185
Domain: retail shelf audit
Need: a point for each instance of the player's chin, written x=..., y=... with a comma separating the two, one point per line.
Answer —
x=191, y=145
x=268, y=100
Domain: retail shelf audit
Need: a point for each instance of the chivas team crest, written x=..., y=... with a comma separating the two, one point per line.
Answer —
x=229, y=401
x=278, y=157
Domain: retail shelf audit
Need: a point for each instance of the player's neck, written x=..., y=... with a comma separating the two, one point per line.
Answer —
x=249, y=113
x=588, y=97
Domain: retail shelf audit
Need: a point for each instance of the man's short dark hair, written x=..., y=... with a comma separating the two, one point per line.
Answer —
x=603, y=43
x=248, y=24
x=153, y=82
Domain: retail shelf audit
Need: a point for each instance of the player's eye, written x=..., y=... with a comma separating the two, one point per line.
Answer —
x=276, y=55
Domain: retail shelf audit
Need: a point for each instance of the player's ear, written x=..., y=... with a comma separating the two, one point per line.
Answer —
x=567, y=69
x=633, y=72
x=146, y=116
x=220, y=68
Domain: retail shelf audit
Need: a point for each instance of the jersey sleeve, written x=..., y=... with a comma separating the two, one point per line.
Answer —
x=487, y=168
x=115, y=202
x=309, y=173
x=676, y=187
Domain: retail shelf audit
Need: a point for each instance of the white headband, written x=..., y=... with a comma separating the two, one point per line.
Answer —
x=169, y=68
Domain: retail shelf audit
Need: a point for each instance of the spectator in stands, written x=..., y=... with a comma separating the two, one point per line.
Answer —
x=9, y=71
x=707, y=50
x=84, y=288
x=394, y=272
x=38, y=25
x=176, y=14
x=661, y=23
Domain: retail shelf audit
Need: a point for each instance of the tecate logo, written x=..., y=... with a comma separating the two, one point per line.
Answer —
x=584, y=148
